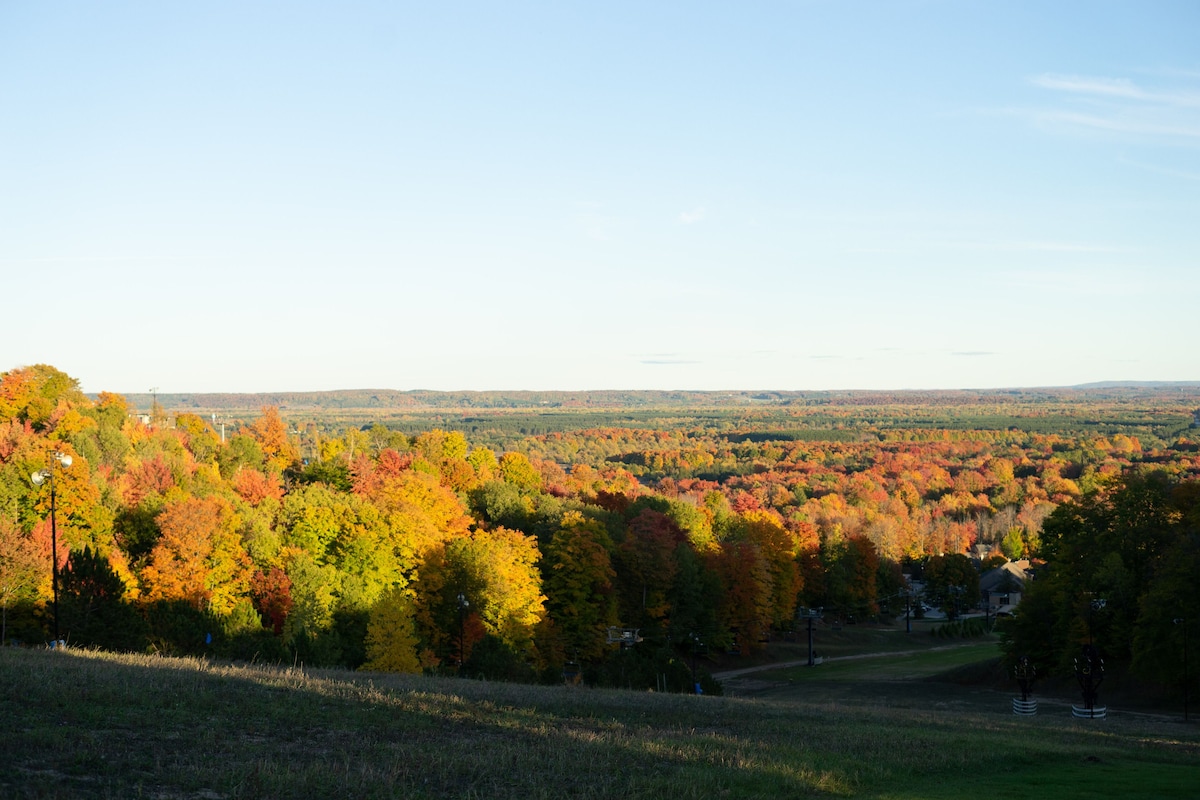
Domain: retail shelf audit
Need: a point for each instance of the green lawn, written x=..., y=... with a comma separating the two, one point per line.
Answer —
x=895, y=665
x=84, y=724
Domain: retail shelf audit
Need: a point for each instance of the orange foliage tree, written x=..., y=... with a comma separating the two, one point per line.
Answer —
x=199, y=557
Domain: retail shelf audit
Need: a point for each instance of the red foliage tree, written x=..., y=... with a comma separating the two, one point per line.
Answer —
x=271, y=594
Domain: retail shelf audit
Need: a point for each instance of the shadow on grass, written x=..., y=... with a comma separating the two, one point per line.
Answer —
x=91, y=724
x=95, y=725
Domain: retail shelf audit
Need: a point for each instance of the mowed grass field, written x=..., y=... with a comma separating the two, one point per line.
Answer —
x=87, y=724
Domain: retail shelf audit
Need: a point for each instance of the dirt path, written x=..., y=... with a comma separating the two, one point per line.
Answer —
x=736, y=673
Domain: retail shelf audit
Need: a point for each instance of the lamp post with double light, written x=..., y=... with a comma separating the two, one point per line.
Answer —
x=47, y=476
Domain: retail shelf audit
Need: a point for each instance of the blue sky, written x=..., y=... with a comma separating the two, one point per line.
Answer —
x=805, y=195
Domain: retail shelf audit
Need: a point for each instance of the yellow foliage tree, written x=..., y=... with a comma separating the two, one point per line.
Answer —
x=504, y=565
x=496, y=572
x=391, y=635
x=420, y=512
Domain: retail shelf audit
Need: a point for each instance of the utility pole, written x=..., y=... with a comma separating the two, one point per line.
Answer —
x=811, y=615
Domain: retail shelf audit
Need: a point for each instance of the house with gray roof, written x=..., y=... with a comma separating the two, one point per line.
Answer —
x=1001, y=588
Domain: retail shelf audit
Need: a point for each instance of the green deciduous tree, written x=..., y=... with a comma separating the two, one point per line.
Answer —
x=1120, y=568
x=579, y=583
x=851, y=571
x=952, y=582
x=645, y=565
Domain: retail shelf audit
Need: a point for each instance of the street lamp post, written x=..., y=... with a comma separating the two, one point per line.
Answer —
x=463, y=604
x=698, y=647
x=38, y=478
x=1097, y=604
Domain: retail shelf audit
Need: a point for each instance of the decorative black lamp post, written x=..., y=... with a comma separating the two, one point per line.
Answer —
x=1026, y=674
x=1089, y=671
x=38, y=478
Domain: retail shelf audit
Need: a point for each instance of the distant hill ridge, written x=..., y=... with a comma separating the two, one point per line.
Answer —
x=420, y=399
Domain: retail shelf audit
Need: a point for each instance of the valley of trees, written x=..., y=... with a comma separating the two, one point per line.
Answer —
x=514, y=540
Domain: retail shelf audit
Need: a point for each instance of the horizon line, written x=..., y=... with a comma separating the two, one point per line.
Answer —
x=1104, y=384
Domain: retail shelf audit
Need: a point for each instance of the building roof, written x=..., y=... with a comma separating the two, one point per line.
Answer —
x=1015, y=573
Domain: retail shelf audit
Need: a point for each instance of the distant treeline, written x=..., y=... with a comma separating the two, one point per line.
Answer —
x=813, y=435
x=785, y=425
x=610, y=399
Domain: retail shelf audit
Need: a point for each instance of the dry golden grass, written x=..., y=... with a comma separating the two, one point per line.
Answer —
x=88, y=724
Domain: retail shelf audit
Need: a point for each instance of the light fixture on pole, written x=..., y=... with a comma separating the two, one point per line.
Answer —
x=38, y=478
x=463, y=604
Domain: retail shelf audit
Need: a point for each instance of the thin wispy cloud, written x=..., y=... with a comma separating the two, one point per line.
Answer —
x=1114, y=87
x=1120, y=107
x=691, y=217
x=666, y=359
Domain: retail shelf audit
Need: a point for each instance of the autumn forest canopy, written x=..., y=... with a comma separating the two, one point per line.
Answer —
x=513, y=532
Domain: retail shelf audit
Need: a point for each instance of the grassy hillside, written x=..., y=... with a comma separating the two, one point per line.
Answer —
x=82, y=724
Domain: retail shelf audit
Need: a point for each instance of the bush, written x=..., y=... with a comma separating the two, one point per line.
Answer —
x=962, y=629
x=645, y=668
x=494, y=660
x=177, y=628
x=260, y=646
